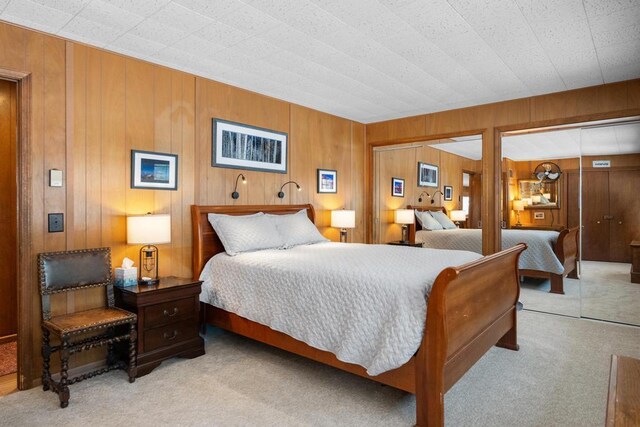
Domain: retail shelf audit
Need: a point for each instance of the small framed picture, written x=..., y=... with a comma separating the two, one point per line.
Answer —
x=448, y=193
x=538, y=215
x=327, y=181
x=397, y=187
x=427, y=175
x=154, y=171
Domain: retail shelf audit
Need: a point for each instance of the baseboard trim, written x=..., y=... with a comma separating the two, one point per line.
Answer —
x=8, y=338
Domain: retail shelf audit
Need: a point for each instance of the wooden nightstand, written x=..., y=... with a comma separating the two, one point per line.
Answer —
x=168, y=320
x=401, y=243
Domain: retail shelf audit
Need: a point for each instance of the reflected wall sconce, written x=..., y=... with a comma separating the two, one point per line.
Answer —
x=434, y=195
x=281, y=193
x=420, y=196
x=343, y=219
x=235, y=193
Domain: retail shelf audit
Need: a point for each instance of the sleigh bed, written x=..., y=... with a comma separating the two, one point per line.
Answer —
x=549, y=255
x=470, y=308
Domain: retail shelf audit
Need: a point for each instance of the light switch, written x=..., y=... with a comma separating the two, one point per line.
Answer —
x=55, y=178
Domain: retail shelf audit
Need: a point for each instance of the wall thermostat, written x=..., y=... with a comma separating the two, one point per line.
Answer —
x=55, y=178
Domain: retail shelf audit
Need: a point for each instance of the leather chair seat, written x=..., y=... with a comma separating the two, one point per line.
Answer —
x=83, y=321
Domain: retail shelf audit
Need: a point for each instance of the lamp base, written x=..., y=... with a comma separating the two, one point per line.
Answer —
x=343, y=235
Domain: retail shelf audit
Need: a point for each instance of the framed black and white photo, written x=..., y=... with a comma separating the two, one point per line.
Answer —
x=448, y=193
x=155, y=171
x=538, y=215
x=327, y=181
x=397, y=187
x=239, y=146
x=427, y=175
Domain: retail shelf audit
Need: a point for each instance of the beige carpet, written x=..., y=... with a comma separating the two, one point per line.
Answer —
x=608, y=294
x=534, y=295
x=559, y=377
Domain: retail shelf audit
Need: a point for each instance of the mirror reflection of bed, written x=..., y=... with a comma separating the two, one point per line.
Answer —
x=606, y=215
x=444, y=173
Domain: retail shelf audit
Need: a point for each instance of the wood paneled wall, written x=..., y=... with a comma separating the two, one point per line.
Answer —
x=401, y=162
x=89, y=108
x=598, y=102
x=8, y=214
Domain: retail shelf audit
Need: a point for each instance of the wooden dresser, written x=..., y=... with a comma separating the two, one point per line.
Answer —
x=623, y=405
x=168, y=320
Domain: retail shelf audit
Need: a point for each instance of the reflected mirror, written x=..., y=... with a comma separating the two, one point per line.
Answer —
x=440, y=178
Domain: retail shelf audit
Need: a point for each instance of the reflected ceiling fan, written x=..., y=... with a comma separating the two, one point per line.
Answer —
x=547, y=172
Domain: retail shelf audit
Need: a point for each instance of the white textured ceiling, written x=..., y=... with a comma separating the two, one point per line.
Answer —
x=366, y=60
x=623, y=138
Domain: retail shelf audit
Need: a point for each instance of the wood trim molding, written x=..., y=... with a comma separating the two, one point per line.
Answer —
x=25, y=267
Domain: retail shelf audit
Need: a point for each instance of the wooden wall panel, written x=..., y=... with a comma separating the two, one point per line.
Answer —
x=399, y=129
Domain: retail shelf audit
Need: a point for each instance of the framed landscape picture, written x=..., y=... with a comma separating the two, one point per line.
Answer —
x=427, y=175
x=327, y=181
x=397, y=187
x=155, y=171
x=448, y=193
x=239, y=146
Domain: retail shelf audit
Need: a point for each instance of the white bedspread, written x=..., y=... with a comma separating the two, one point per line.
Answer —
x=539, y=254
x=364, y=303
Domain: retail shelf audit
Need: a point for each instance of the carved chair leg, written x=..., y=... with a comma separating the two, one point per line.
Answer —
x=557, y=286
x=46, y=357
x=111, y=357
x=63, y=389
x=133, y=338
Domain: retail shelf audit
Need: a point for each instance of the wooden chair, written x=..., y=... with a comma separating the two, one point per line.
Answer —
x=70, y=271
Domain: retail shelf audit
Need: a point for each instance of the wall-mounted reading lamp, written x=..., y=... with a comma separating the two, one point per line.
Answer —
x=434, y=195
x=420, y=196
x=281, y=193
x=235, y=193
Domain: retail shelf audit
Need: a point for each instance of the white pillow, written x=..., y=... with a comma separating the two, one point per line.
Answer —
x=427, y=221
x=296, y=229
x=444, y=220
x=245, y=233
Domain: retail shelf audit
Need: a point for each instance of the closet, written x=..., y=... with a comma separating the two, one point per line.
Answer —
x=611, y=213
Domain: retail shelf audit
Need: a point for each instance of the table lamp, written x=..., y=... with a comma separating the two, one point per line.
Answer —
x=343, y=219
x=518, y=206
x=457, y=216
x=148, y=230
x=404, y=217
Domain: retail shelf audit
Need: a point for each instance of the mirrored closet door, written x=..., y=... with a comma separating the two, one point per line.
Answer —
x=439, y=178
x=540, y=207
x=610, y=222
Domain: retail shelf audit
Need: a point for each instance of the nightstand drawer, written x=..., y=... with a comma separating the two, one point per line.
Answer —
x=170, y=334
x=168, y=312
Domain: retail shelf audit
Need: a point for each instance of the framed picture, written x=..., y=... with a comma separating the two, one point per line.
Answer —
x=155, y=171
x=327, y=181
x=239, y=146
x=538, y=215
x=427, y=175
x=397, y=187
x=448, y=193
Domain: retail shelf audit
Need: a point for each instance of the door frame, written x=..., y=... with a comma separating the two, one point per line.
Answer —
x=25, y=266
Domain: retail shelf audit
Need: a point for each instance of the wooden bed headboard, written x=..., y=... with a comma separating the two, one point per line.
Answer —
x=206, y=242
x=416, y=225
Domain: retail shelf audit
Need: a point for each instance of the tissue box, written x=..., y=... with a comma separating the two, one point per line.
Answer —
x=126, y=277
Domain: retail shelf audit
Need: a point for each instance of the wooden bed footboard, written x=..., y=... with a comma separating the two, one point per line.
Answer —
x=470, y=309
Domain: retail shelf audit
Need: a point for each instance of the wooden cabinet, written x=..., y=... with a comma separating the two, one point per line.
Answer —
x=610, y=214
x=168, y=320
